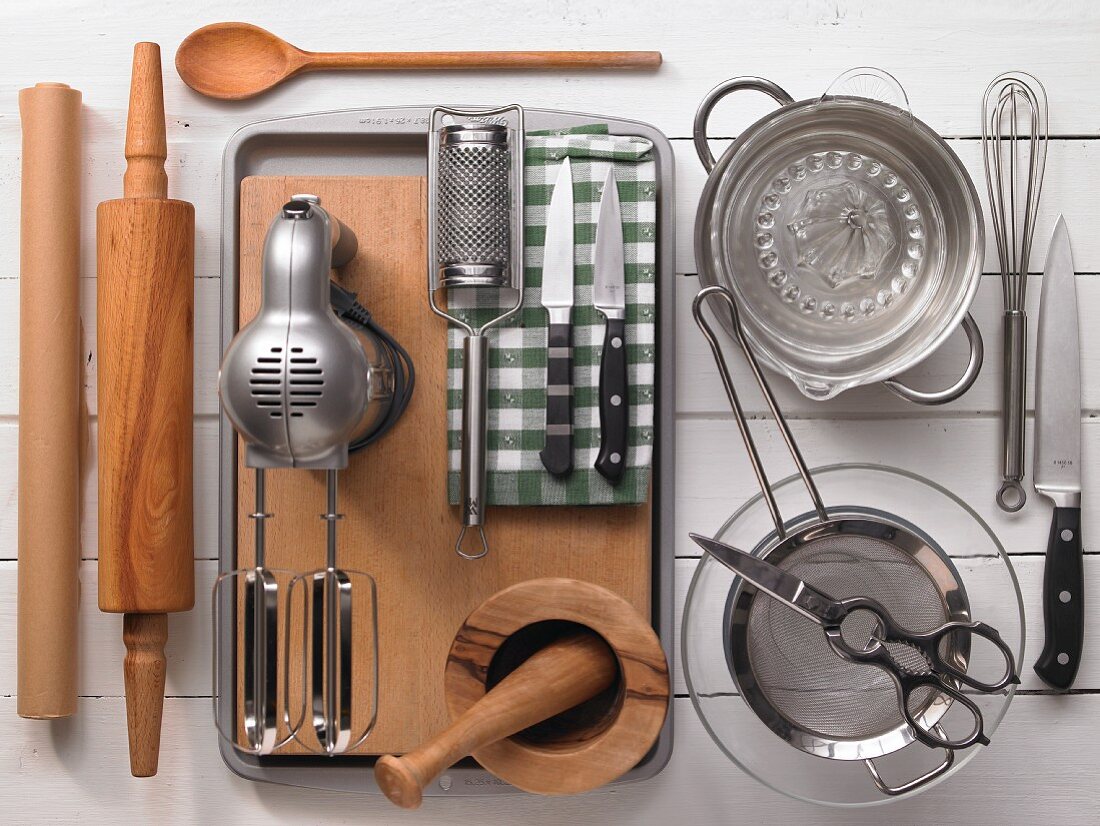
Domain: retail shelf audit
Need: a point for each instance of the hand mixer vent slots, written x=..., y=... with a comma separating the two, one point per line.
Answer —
x=272, y=384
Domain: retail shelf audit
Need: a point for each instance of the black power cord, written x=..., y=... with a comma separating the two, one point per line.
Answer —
x=346, y=305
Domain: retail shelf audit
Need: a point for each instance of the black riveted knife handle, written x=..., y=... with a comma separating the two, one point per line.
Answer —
x=557, y=454
x=611, y=460
x=1063, y=601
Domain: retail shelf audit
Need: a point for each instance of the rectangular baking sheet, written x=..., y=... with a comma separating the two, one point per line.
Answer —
x=394, y=141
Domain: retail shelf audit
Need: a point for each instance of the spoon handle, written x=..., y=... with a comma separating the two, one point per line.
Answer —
x=481, y=60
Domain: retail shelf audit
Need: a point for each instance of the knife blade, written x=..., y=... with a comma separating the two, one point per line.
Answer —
x=557, y=298
x=609, y=298
x=1058, y=462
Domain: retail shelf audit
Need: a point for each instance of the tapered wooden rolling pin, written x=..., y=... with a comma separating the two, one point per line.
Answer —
x=146, y=263
x=554, y=679
x=232, y=61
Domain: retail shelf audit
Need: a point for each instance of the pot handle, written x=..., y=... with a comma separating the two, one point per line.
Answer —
x=873, y=84
x=948, y=394
x=702, y=114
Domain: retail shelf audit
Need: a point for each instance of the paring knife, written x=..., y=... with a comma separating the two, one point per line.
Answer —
x=1058, y=463
x=557, y=298
x=609, y=297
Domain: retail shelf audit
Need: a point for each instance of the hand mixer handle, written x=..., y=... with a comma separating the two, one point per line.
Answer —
x=475, y=431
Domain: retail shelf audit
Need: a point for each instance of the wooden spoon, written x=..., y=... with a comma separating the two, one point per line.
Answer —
x=233, y=61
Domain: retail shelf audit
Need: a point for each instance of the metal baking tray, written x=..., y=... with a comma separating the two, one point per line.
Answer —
x=394, y=141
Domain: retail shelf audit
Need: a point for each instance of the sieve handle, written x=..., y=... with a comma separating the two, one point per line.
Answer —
x=475, y=430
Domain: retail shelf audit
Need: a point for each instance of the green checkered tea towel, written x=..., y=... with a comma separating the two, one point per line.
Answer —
x=517, y=348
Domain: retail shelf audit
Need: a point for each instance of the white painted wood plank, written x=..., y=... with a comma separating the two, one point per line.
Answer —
x=699, y=390
x=1066, y=191
x=944, y=54
x=1029, y=571
x=1041, y=766
x=205, y=491
x=189, y=648
x=77, y=769
x=714, y=477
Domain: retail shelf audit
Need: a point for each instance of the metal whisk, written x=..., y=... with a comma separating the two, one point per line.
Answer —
x=1014, y=148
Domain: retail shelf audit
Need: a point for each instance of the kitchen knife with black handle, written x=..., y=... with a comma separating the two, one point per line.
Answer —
x=609, y=297
x=1058, y=463
x=557, y=298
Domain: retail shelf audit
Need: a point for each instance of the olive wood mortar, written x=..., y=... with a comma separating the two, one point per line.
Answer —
x=555, y=685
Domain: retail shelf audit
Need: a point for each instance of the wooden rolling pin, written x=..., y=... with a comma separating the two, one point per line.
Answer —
x=146, y=262
x=233, y=61
x=52, y=427
x=554, y=679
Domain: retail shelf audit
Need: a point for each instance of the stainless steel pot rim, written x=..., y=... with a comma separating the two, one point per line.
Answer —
x=712, y=256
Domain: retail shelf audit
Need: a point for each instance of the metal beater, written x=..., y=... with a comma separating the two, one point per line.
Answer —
x=1014, y=149
x=303, y=387
x=475, y=240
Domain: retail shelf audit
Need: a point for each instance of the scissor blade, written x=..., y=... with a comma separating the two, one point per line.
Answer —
x=775, y=582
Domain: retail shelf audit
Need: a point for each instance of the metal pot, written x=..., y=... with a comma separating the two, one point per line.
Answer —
x=850, y=233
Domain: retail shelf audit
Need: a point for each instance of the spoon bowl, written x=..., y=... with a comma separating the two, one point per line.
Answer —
x=259, y=60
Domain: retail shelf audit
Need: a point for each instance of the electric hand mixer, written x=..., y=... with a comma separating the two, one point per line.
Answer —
x=304, y=387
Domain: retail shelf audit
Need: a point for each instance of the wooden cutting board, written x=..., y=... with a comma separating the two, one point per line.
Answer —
x=398, y=526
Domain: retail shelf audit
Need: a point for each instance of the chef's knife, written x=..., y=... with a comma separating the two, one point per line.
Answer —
x=557, y=298
x=1058, y=463
x=609, y=297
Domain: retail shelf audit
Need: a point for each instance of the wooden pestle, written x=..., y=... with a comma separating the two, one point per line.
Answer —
x=145, y=263
x=554, y=679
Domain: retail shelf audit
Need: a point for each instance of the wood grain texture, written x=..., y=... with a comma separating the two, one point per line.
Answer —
x=144, y=667
x=554, y=679
x=1041, y=766
x=232, y=61
x=590, y=753
x=398, y=526
x=145, y=328
x=1006, y=783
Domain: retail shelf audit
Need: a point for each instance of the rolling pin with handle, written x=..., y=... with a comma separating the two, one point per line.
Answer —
x=145, y=261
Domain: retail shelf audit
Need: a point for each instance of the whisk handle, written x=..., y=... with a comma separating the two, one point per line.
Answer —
x=1011, y=496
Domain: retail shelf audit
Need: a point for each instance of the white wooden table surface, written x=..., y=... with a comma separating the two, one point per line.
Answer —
x=1043, y=762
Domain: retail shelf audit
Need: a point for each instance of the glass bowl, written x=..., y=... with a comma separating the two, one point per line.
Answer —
x=983, y=570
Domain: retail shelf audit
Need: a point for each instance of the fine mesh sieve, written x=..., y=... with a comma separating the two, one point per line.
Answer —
x=785, y=667
x=793, y=679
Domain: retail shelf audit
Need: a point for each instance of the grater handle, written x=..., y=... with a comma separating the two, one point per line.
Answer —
x=475, y=427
